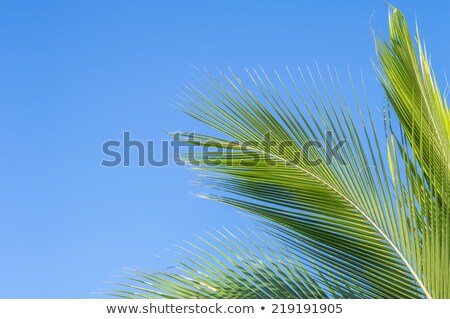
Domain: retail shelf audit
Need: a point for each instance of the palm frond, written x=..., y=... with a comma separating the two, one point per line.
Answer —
x=412, y=89
x=368, y=222
x=347, y=214
x=242, y=266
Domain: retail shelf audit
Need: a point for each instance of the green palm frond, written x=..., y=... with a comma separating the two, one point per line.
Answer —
x=243, y=266
x=371, y=221
x=412, y=89
x=347, y=213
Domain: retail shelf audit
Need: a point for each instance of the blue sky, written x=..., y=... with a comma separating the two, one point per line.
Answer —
x=75, y=74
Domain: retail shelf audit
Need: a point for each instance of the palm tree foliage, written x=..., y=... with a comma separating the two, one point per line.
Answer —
x=373, y=225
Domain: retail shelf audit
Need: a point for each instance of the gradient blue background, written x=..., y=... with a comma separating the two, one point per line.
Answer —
x=74, y=74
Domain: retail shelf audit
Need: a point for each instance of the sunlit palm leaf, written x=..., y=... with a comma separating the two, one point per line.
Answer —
x=346, y=213
x=411, y=87
x=374, y=225
x=227, y=266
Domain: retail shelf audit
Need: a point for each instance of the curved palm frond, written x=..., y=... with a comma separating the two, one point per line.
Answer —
x=346, y=213
x=412, y=89
x=368, y=223
x=411, y=86
x=245, y=267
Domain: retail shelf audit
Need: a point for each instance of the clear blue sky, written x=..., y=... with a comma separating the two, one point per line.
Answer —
x=74, y=74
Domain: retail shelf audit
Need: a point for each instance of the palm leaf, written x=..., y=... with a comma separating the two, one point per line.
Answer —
x=244, y=267
x=372, y=225
x=412, y=89
x=345, y=213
